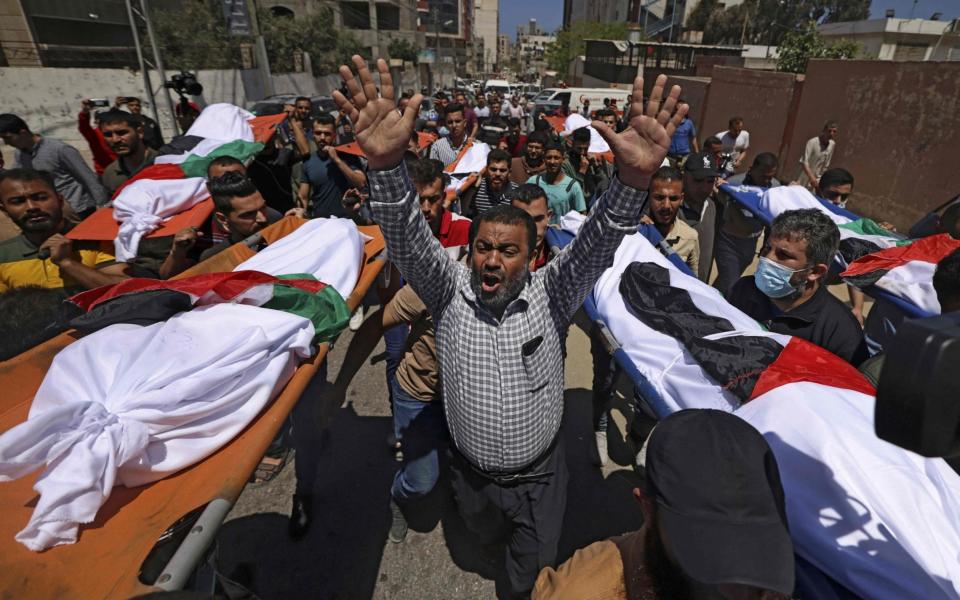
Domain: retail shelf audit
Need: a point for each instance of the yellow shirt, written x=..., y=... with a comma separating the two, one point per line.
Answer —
x=20, y=266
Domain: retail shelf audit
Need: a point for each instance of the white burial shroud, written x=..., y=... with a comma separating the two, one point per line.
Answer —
x=130, y=405
x=329, y=249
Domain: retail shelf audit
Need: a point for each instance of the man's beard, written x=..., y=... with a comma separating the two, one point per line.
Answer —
x=48, y=224
x=534, y=162
x=507, y=292
x=660, y=579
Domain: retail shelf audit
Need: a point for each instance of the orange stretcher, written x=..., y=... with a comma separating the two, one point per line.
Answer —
x=108, y=560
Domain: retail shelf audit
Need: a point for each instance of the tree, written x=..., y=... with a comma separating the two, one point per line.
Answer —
x=193, y=35
x=571, y=42
x=286, y=36
x=797, y=48
x=402, y=49
x=767, y=22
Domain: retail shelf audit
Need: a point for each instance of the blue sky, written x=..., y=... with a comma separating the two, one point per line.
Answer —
x=549, y=13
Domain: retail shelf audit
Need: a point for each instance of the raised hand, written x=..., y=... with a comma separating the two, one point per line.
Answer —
x=640, y=149
x=382, y=131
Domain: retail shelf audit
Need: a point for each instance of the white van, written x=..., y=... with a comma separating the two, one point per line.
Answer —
x=551, y=99
x=500, y=86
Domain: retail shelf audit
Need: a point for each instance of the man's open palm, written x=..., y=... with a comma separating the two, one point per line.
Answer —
x=381, y=130
x=641, y=147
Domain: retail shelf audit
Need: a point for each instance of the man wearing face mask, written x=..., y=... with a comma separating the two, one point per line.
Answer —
x=788, y=293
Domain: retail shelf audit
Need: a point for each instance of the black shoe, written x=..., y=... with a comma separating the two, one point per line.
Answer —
x=398, y=526
x=300, y=516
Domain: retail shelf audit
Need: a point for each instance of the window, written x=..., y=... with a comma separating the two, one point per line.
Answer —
x=388, y=17
x=910, y=52
x=356, y=15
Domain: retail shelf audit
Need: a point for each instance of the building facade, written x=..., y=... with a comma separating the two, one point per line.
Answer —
x=899, y=39
x=659, y=19
x=486, y=19
x=530, y=50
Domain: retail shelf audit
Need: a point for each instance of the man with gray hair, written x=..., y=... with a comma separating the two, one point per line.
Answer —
x=788, y=293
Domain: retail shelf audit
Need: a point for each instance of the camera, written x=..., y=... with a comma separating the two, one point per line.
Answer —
x=918, y=397
x=99, y=102
x=184, y=83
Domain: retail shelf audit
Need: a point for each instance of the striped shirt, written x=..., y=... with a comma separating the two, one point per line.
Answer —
x=444, y=151
x=74, y=180
x=502, y=378
x=487, y=199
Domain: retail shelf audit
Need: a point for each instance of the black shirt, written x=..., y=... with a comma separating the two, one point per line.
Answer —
x=823, y=319
x=272, y=176
x=151, y=132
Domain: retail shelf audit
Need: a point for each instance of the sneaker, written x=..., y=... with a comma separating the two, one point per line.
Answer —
x=602, y=447
x=398, y=525
x=356, y=320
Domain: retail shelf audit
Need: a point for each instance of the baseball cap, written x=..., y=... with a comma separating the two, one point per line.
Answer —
x=719, y=500
x=701, y=164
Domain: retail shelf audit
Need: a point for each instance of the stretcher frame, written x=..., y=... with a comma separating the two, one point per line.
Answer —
x=106, y=560
x=910, y=310
x=810, y=580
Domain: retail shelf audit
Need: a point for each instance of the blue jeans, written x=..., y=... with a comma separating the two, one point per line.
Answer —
x=394, y=342
x=424, y=432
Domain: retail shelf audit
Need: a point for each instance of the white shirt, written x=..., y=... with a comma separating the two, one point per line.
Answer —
x=482, y=112
x=514, y=111
x=816, y=158
x=731, y=144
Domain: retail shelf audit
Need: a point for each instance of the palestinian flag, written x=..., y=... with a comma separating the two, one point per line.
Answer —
x=905, y=271
x=423, y=141
x=146, y=301
x=156, y=201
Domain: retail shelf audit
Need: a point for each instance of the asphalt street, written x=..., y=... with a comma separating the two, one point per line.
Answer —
x=347, y=555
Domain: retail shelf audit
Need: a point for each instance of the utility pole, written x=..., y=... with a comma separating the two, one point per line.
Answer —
x=436, y=29
x=143, y=14
x=263, y=61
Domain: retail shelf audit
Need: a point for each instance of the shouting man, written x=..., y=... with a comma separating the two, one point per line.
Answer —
x=500, y=329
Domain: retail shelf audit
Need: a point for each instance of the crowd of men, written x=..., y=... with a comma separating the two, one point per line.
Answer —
x=476, y=310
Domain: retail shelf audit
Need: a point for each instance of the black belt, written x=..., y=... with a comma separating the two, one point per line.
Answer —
x=527, y=474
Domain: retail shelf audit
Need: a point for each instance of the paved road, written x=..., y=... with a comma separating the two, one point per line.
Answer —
x=347, y=555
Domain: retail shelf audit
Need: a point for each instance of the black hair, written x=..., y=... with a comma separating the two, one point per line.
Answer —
x=10, y=123
x=454, y=107
x=666, y=173
x=528, y=192
x=581, y=135
x=134, y=99
x=946, y=280
x=225, y=161
x=832, y=123
x=31, y=315
x=553, y=145
x=950, y=221
x=108, y=117
x=228, y=186
x=734, y=120
x=514, y=121
x=604, y=112
x=537, y=137
x=712, y=141
x=425, y=171
x=325, y=119
x=506, y=214
x=24, y=174
x=498, y=155
x=812, y=226
x=299, y=98
x=835, y=176
x=765, y=160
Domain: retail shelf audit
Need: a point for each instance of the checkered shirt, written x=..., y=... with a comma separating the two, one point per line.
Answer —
x=444, y=151
x=502, y=379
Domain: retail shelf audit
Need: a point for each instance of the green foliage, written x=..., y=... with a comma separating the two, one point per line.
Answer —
x=571, y=42
x=402, y=49
x=193, y=35
x=797, y=48
x=285, y=37
x=769, y=21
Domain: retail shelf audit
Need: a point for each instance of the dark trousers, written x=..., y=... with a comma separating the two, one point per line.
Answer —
x=604, y=374
x=733, y=255
x=528, y=515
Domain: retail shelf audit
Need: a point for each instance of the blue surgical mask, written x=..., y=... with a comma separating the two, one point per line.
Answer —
x=773, y=279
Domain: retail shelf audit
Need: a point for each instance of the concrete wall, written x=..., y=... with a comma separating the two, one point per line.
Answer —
x=899, y=129
x=695, y=94
x=762, y=98
x=48, y=99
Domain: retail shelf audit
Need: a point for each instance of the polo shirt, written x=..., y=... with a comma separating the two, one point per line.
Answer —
x=680, y=144
x=823, y=319
x=116, y=173
x=562, y=197
x=328, y=184
x=454, y=234
x=20, y=266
